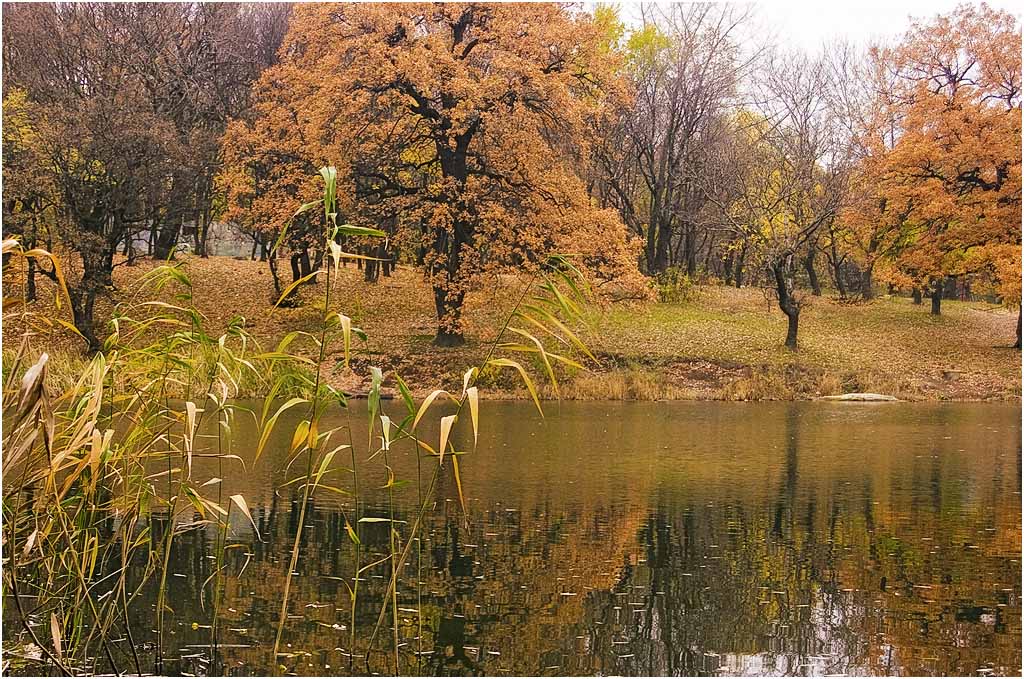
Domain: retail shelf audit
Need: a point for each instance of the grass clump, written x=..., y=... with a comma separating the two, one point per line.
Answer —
x=674, y=286
x=630, y=383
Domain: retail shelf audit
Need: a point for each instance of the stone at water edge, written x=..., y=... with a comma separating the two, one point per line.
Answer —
x=860, y=397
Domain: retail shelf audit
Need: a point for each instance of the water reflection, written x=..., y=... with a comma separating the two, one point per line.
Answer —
x=650, y=539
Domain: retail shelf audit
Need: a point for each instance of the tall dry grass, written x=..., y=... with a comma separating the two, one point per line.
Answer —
x=99, y=464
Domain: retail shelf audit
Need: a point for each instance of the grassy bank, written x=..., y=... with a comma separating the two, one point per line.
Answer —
x=722, y=344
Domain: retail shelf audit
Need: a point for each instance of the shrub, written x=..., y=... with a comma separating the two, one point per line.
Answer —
x=675, y=286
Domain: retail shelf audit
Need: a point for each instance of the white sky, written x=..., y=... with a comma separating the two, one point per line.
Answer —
x=808, y=25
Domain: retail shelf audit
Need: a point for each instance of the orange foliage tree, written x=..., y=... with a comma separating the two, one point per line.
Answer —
x=458, y=128
x=950, y=178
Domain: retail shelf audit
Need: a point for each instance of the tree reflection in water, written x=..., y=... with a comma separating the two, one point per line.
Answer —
x=655, y=539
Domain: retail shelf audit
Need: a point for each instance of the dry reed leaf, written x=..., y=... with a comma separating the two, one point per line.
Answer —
x=241, y=503
x=474, y=410
x=55, y=633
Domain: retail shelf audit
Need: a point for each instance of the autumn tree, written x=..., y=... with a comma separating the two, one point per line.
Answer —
x=196, y=62
x=270, y=166
x=28, y=191
x=97, y=137
x=125, y=104
x=461, y=124
x=872, y=229
x=953, y=174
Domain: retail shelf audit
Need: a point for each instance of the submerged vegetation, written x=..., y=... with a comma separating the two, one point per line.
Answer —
x=100, y=481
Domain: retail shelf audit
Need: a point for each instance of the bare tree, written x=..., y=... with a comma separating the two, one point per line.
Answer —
x=791, y=161
x=127, y=103
x=97, y=135
x=199, y=61
x=685, y=64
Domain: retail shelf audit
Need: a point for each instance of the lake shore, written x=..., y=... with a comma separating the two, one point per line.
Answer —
x=720, y=344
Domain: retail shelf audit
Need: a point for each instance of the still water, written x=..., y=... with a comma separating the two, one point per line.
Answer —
x=643, y=539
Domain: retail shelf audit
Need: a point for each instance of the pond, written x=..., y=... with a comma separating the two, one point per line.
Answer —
x=640, y=539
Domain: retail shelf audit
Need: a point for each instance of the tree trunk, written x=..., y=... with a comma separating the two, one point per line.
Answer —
x=371, y=270
x=782, y=268
x=837, y=276
x=446, y=266
x=791, y=330
x=658, y=247
x=949, y=287
x=203, y=218
x=937, y=297
x=691, y=250
x=448, y=305
x=30, y=280
x=292, y=299
x=727, y=268
x=203, y=234
x=447, y=284
x=867, y=284
x=272, y=263
x=168, y=229
x=812, y=275
x=83, y=304
x=166, y=241
x=836, y=265
x=1016, y=344
x=915, y=295
x=306, y=266
x=318, y=261
x=662, y=238
x=252, y=255
x=738, y=278
x=83, y=296
x=129, y=249
x=295, y=262
x=106, y=267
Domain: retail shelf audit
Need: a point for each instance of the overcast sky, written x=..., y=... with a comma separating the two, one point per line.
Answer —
x=808, y=25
